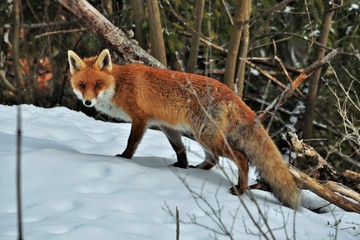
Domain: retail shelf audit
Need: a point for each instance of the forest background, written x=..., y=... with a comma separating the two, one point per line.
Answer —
x=257, y=48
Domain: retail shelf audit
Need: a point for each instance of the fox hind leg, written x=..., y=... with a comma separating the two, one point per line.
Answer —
x=210, y=161
x=243, y=170
x=174, y=138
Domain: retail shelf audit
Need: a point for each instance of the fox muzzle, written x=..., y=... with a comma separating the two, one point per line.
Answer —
x=89, y=103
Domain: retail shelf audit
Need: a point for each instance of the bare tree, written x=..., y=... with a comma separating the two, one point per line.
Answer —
x=320, y=53
x=195, y=38
x=156, y=32
x=232, y=55
x=243, y=51
x=139, y=19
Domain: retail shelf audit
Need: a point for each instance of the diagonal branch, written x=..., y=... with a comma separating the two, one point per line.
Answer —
x=95, y=21
x=308, y=71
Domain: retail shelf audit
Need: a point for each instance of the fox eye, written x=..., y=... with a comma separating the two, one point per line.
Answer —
x=82, y=85
x=98, y=84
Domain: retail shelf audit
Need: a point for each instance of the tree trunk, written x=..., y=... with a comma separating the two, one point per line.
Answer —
x=139, y=20
x=244, y=46
x=94, y=20
x=156, y=32
x=314, y=84
x=231, y=59
x=195, y=38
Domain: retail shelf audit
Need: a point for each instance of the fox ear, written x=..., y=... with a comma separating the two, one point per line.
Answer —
x=104, y=60
x=75, y=62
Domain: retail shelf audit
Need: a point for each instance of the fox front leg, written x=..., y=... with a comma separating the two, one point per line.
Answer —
x=138, y=129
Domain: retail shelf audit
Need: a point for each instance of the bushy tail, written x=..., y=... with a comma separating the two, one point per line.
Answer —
x=264, y=154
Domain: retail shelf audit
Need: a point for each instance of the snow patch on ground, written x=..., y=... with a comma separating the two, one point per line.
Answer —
x=74, y=187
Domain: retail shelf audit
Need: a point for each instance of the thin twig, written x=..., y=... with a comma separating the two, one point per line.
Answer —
x=61, y=32
x=228, y=12
x=41, y=24
x=7, y=83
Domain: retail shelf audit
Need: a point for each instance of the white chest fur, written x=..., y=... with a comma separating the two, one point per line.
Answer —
x=105, y=105
x=111, y=110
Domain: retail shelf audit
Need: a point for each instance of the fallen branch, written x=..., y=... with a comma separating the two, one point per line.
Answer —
x=351, y=175
x=342, y=189
x=325, y=189
x=95, y=21
x=307, y=182
x=306, y=150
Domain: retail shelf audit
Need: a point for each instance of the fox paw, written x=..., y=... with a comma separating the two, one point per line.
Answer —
x=236, y=190
x=122, y=156
x=179, y=165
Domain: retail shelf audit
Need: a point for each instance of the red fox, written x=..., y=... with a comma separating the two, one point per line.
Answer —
x=179, y=102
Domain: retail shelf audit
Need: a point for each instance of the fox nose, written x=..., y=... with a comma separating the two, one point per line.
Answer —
x=87, y=103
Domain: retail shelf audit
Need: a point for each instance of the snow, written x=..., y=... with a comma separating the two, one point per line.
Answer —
x=354, y=6
x=74, y=188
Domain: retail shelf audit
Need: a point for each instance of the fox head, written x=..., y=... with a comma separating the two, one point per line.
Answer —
x=91, y=78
